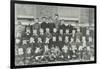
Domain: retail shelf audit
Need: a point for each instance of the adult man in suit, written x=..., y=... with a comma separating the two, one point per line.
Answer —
x=57, y=21
x=36, y=24
x=44, y=24
x=62, y=25
x=70, y=27
x=51, y=24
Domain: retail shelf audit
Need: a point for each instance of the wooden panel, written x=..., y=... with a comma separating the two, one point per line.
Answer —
x=84, y=15
x=43, y=10
x=68, y=12
x=25, y=10
x=91, y=16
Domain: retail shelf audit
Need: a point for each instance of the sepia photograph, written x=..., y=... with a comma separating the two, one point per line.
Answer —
x=45, y=33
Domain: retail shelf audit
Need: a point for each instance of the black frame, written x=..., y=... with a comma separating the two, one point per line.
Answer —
x=12, y=34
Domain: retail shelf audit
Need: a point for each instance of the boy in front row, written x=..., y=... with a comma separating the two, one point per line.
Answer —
x=65, y=48
x=60, y=41
x=54, y=37
x=19, y=53
x=67, y=34
x=20, y=56
x=44, y=24
x=39, y=50
x=73, y=49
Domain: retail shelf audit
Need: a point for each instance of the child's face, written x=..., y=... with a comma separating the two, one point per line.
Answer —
x=54, y=38
x=47, y=39
x=39, y=39
x=61, y=31
x=36, y=20
x=72, y=39
x=17, y=41
x=83, y=38
x=28, y=50
x=56, y=17
x=46, y=46
x=18, y=35
x=44, y=19
x=34, y=31
x=54, y=30
x=60, y=38
x=67, y=31
x=66, y=38
x=78, y=30
x=90, y=38
x=31, y=39
x=87, y=31
x=77, y=40
x=47, y=29
x=41, y=31
x=27, y=30
x=20, y=51
x=24, y=42
x=73, y=31
x=88, y=48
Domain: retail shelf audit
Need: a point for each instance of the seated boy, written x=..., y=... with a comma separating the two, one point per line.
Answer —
x=47, y=33
x=65, y=49
x=79, y=34
x=54, y=37
x=67, y=34
x=41, y=34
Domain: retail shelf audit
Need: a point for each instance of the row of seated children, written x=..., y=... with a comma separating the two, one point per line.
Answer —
x=39, y=46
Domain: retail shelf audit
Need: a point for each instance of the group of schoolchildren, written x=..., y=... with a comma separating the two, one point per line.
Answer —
x=52, y=41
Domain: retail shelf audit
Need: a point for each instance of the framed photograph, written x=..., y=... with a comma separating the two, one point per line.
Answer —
x=52, y=34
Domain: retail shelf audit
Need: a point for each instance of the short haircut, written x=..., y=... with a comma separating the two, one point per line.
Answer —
x=19, y=22
x=43, y=17
x=37, y=18
x=56, y=15
x=50, y=17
